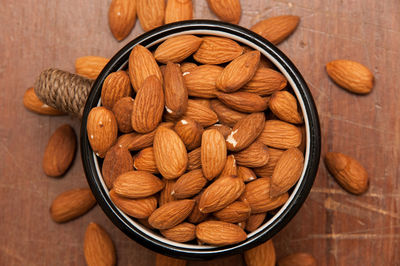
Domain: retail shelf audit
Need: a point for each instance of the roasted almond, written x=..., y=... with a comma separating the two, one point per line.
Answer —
x=236, y=212
x=201, y=81
x=150, y=13
x=98, y=247
x=162, y=260
x=219, y=233
x=298, y=259
x=284, y=105
x=261, y=255
x=213, y=153
x=118, y=160
x=183, y=232
x=122, y=110
x=34, y=104
x=281, y=135
x=243, y=101
x=121, y=18
x=225, y=114
x=196, y=216
x=166, y=194
x=176, y=94
x=116, y=86
x=137, y=184
x=90, y=66
x=268, y=169
x=256, y=155
x=171, y=214
x=265, y=82
x=223, y=129
x=178, y=10
x=276, y=29
x=138, y=208
x=189, y=184
x=246, y=174
x=145, y=161
x=255, y=221
x=194, y=159
x=230, y=167
x=177, y=48
x=201, y=114
x=226, y=10
x=190, y=132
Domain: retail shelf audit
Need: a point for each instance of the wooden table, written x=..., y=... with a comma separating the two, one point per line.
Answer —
x=337, y=228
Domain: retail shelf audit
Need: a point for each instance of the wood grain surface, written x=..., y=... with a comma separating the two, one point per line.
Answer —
x=337, y=228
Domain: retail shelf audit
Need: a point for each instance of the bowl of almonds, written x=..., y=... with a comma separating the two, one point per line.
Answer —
x=200, y=139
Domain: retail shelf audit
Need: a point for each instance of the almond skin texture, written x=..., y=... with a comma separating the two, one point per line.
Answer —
x=71, y=204
x=351, y=76
x=190, y=132
x=221, y=193
x=102, y=130
x=187, y=66
x=176, y=94
x=137, y=184
x=255, y=221
x=245, y=131
x=148, y=106
x=189, y=184
x=276, y=29
x=348, y=172
x=150, y=13
x=284, y=105
x=256, y=155
x=226, y=10
x=217, y=50
x=243, y=101
x=246, y=174
x=138, y=208
x=219, y=233
x=170, y=153
x=281, y=135
x=213, y=153
x=178, y=48
x=90, y=66
x=238, y=72
x=32, y=103
x=183, y=232
x=116, y=86
x=262, y=255
x=122, y=17
x=201, y=114
x=118, y=160
x=196, y=216
x=171, y=214
x=98, y=247
x=142, y=65
x=298, y=259
x=225, y=114
x=178, y=10
x=194, y=159
x=268, y=169
x=166, y=194
x=201, y=81
x=60, y=151
x=162, y=260
x=287, y=171
x=145, y=161
x=122, y=110
x=223, y=129
x=265, y=82
x=234, y=213
x=230, y=167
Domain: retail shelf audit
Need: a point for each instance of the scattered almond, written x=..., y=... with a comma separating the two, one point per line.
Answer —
x=276, y=29
x=162, y=260
x=90, y=66
x=98, y=247
x=178, y=10
x=150, y=13
x=34, y=104
x=262, y=255
x=298, y=259
x=121, y=18
x=226, y=10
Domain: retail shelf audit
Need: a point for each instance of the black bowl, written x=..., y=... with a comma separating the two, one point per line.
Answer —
x=300, y=191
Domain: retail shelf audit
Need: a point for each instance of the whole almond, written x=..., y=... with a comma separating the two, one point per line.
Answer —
x=60, y=151
x=162, y=260
x=171, y=214
x=255, y=221
x=122, y=110
x=213, y=153
x=236, y=212
x=177, y=48
x=137, y=184
x=281, y=135
x=118, y=160
x=166, y=193
x=190, y=132
x=142, y=65
x=298, y=259
x=243, y=101
x=189, y=184
x=246, y=174
x=176, y=94
x=221, y=193
x=150, y=13
x=203, y=101
x=187, y=67
x=284, y=105
x=201, y=114
x=183, y=232
x=90, y=66
x=262, y=255
x=122, y=17
x=219, y=233
x=245, y=131
x=71, y=204
x=256, y=155
x=116, y=86
x=348, y=172
x=230, y=167
x=178, y=10
x=145, y=161
x=98, y=247
x=238, y=72
x=225, y=114
x=102, y=130
x=170, y=153
x=265, y=82
x=276, y=29
x=268, y=169
x=194, y=159
x=223, y=129
x=148, y=106
x=217, y=50
x=201, y=81
x=138, y=208
x=287, y=171
x=226, y=10
x=351, y=75
x=34, y=104
x=196, y=216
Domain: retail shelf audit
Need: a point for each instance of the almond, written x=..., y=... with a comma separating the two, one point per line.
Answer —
x=213, y=153
x=276, y=29
x=268, y=169
x=170, y=153
x=217, y=50
x=256, y=155
x=265, y=82
x=284, y=105
x=226, y=10
x=219, y=233
x=171, y=214
x=225, y=114
x=162, y=260
x=189, y=184
x=230, y=167
x=71, y=204
x=348, y=172
x=34, y=104
x=194, y=159
x=187, y=67
x=303, y=144
x=178, y=10
x=243, y=101
x=122, y=110
x=298, y=259
x=176, y=94
x=261, y=255
x=221, y=193
x=351, y=76
x=148, y=106
x=238, y=72
x=224, y=130
x=183, y=232
x=142, y=65
x=254, y=221
x=287, y=171
x=102, y=130
x=201, y=81
x=60, y=151
x=190, y=132
x=201, y=114
x=166, y=194
x=121, y=18
x=145, y=161
x=203, y=101
x=234, y=213
x=138, y=208
x=246, y=174
x=281, y=135
x=245, y=131
x=150, y=13
x=115, y=87
x=137, y=184
x=90, y=66
x=98, y=247
x=196, y=216
x=177, y=49
x=118, y=160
